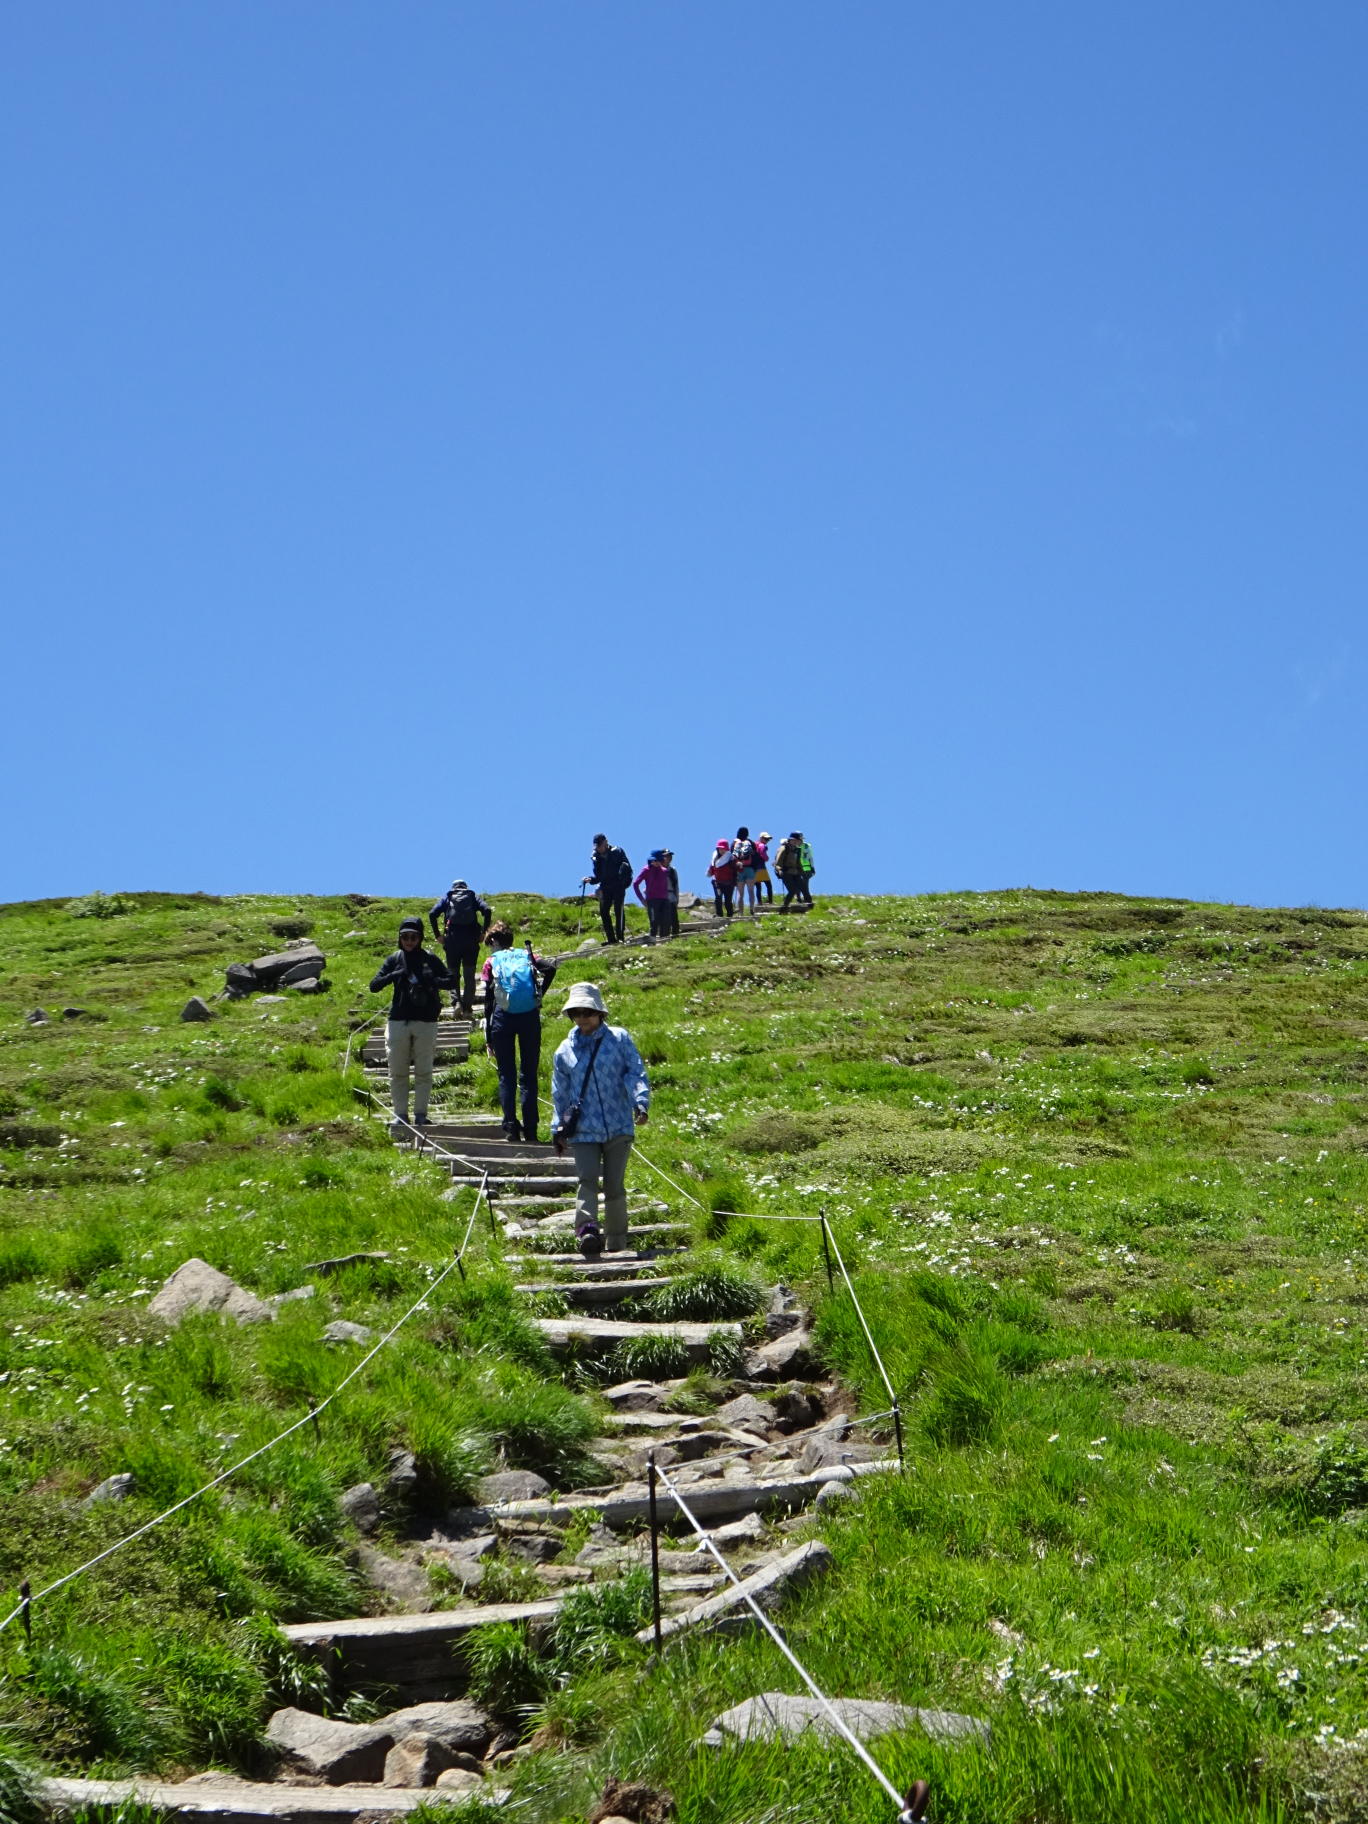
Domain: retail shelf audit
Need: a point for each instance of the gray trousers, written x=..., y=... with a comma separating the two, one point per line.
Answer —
x=412, y=1045
x=609, y=1159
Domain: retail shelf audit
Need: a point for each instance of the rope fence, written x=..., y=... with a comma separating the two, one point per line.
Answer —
x=906, y=1805
x=22, y=1609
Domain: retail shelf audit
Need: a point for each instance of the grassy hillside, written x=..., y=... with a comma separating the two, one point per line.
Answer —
x=1098, y=1164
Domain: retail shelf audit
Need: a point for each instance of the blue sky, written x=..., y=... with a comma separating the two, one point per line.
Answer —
x=433, y=433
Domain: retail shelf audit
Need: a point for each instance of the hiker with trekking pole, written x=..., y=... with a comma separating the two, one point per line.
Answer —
x=610, y=879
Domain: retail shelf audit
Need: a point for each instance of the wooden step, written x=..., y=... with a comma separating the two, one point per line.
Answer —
x=596, y=1291
x=622, y=1264
x=562, y=1333
x=228, y=1801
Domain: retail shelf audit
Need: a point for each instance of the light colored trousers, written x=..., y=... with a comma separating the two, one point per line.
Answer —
x=412, y=1045
x=607, y=1158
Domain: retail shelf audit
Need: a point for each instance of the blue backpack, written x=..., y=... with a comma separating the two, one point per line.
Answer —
x=515, y=981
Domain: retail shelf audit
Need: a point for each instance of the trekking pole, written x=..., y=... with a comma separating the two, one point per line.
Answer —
x=579, y=928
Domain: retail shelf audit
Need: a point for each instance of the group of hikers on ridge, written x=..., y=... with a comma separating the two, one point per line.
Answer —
x=738, y=868
x=600, y=1092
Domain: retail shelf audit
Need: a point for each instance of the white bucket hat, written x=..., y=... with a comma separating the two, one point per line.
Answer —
x=584, y=997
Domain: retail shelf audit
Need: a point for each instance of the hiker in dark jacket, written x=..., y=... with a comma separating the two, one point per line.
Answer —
x=611, y=878
x=417, y=978
x=459, y=920
x=515, y=980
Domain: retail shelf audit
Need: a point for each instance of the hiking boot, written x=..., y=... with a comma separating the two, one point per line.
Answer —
x=590, y=1241
x=513, y=1135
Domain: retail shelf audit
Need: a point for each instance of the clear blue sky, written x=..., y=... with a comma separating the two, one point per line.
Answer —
x=432, y=433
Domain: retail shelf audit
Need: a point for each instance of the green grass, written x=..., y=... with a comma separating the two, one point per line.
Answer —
x=1099, y=1168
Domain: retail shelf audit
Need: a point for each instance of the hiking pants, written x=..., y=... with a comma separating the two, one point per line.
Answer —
x=611, y=903
x=658, y=911
x=722, y=897
x=793, y=889
x=412, y=1045
x=608, y=1158
x=515, y=1039
x=462, y=954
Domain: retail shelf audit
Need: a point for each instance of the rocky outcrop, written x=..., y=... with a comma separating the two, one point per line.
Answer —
x=196, y=1286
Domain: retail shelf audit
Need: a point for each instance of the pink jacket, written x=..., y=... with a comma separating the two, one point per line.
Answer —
x=657, y=878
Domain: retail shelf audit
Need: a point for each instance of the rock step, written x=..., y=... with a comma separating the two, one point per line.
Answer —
x=513, y=1232
x=562, y=1333
x=594, y=1291
x=228, y=1801
x=509, y=1158
x=540, y=1185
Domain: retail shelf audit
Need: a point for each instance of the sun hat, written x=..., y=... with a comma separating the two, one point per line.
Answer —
x=765, y=836
x=584, y=997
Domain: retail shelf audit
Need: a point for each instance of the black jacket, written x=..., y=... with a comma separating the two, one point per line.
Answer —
x=417, y=981
x=612, y=870
x=479, y=924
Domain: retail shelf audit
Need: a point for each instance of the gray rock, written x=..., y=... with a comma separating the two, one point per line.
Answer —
x=459, y=1725
x=795, y=1409
x=766, y=1589
x=458, y=1779
x=340, y=1331
x=533, y=1548
x=196, y=1009
x=113, y=1488
x=270, y=970
x=783, y=1313
x=196, y=1286
x=511, y=1485
x=774, y=1715
x=822, y=1451
x=240, y=981
x=745, y=1409
x=316, y=1751
x=834, y=1494
x=403, y=1582
x=263, y=999
x=36, y=1018
x=789, y=1357
x=361, y=1505
x=293, y=1297
x=837, y=1426
x=307, y=971
x=78, y=1013
x=402, y=1476
x=739, y=1532
x=417, y=1761
x=311, y=985
x=636, y=1396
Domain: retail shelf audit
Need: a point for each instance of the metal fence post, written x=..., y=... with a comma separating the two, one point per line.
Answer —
x=655, y=1549
x=826, y=1253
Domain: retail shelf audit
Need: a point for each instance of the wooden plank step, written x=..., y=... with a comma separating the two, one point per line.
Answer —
x=562, y=1332
x=595, y=1291
x=229, y=1801
x=621, y=1265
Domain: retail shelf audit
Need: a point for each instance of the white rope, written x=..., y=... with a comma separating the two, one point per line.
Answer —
x=769, y=1216
x=859, y=1312
x=252, y=1456
x=837, y=1721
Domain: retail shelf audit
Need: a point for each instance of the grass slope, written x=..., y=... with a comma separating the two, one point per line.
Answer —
x=1098, y=1167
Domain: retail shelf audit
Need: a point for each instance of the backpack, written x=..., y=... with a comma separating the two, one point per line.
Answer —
x=462, y=911
x=515, y=981
x=743, y=853
x=788, y=860
x=625, y=869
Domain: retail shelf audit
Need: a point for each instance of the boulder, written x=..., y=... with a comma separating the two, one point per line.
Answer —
x=311, y=984
x=340, y=1331
x=788, y=1357
x=784, y=1312
x=78, y=1013
x=276, y=1299
x=196, y=1009
x=460, y=1726
x=239, y=980
x=271, y=970
x=636, y=1396
x=36, y=1018
x=834, y=1494
x=196, y=1286
x=316, y=1751
x=511, y=1485
x=417, y=1761
x=533, y=1548
x=458, y=1779
x=113, y=1488
x=746, y=1410
x=402, y=1476
x=361, y=1505
x=776, y=1716
x=823, y=1451
x=745, y=1531
x=299, y=972
x=795, y=1408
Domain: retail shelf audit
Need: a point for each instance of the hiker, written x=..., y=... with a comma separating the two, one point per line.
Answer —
x=764, y=884
x=417, y=978
x=722, y=873
x=464, y=920
x=806, y=866
x=611, y=878
x=743, y=857
x=514, y=983
x=788, y=864
x=599, y=1094
x=656, y=897
x=673, y=872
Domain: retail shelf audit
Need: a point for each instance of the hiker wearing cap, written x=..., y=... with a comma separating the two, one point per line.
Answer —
x=656, y=897
x=722, y=873
x=788, y=865
x=599, y=1095
x=744, y=860
x=464, y=920
x=611, y=878
x=514, y=983
x=417, y=979
x=764, y=885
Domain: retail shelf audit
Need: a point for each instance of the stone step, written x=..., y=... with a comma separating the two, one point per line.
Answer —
x=595, y=1291
x=229, y=1801
x=506, y=1155
x=634, y=1229
x=541, y=1185
x=562, y=1332
x=620, y=1265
